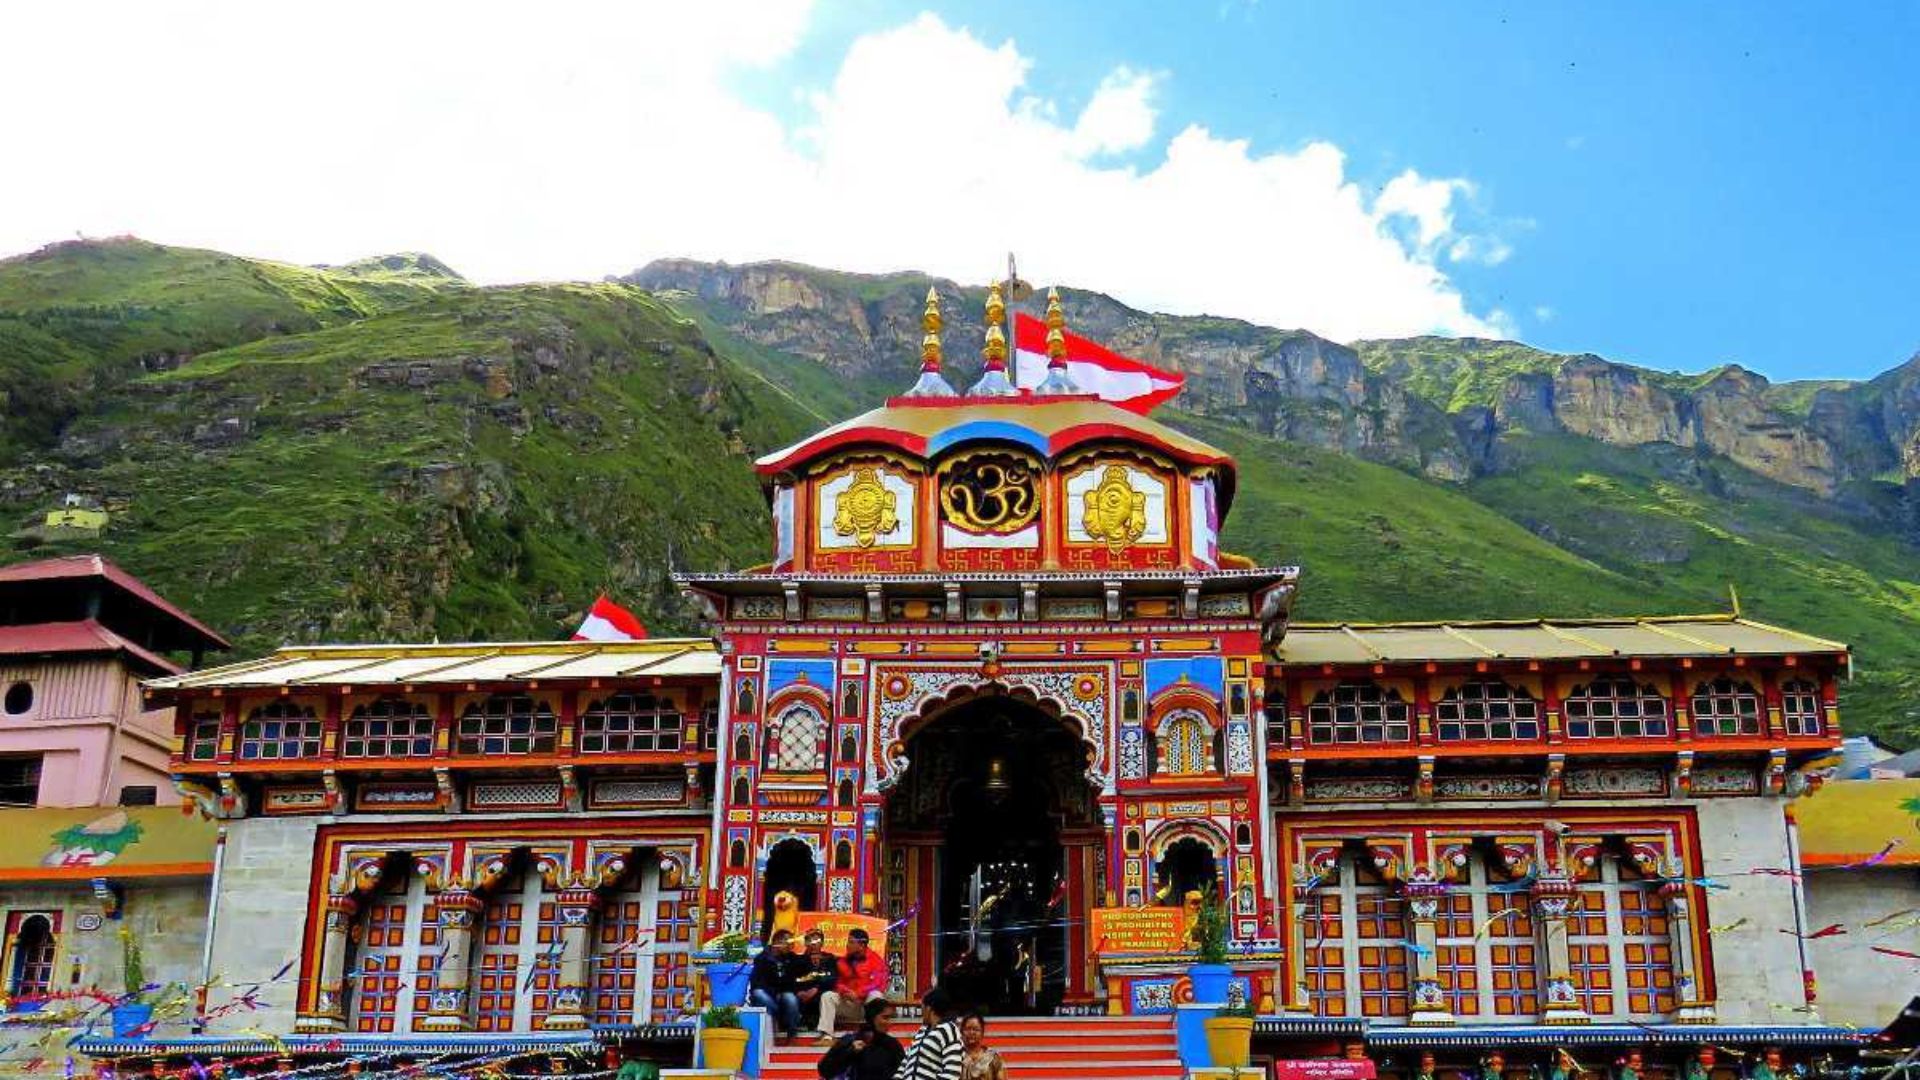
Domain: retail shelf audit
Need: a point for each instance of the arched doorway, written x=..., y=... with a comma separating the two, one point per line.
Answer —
x=791, y=869
x=996, y=791
x=1187, y=865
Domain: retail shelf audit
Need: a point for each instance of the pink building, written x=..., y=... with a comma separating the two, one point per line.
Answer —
x=77, y=634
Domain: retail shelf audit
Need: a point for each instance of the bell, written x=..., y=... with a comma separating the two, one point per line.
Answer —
x=997, y=785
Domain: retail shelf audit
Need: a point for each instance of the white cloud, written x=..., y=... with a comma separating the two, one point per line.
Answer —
x=1542, y=313
x=590, y=139
x=1120, y=115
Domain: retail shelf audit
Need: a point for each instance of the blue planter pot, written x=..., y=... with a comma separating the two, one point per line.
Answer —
x=130, y=1019
x=727, y=982
x=1210, y=983
x=29, y=1006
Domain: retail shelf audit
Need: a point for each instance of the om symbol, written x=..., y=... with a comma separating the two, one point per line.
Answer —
x=990, y=494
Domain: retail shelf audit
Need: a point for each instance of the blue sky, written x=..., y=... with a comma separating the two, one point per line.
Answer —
x=1680, y=185
x=1672, y=185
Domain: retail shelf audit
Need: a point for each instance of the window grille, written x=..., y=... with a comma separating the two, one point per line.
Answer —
x=629, y=723
x=1726, y=707
x=1487, y=710
x=508, y=724
x=1615, y=707
x=389, y=727
x=795, y=743
x=279, y=731
x=1357, y=713
x=1801, y=707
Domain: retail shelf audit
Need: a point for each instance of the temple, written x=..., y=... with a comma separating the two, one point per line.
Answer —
x=997, y=683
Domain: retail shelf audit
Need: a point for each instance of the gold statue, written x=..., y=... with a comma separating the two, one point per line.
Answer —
x=866, y=510
x=1114, y=512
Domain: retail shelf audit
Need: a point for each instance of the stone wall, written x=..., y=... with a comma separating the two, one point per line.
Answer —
x=1857, y=985
x=261, y=914
x=166, y=916
x=1756, y=967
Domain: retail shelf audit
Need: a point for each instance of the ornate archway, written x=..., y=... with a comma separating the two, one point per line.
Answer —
x=908, y=698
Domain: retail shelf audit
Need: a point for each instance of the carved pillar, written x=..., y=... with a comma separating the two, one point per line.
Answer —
x=576, y=907
x=1293, y=983
x=1690, y=1005
x=1553, y=899
x=459, y=914
x=330, y=1004
x=1423, y=894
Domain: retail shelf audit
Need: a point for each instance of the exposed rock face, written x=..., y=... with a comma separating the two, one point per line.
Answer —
x=1298, y=386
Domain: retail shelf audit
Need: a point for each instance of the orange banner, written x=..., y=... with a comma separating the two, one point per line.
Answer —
x=835, y=925
x=1139, y=930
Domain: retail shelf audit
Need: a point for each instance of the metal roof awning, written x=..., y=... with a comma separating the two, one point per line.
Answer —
x=1699, y=636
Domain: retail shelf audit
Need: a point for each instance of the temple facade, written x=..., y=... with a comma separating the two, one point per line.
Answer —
x=998, y=682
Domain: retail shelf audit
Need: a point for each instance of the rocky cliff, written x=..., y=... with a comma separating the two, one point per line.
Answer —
x=1435, y=405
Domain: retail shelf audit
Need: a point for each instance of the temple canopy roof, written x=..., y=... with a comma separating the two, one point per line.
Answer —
x=1544, y=639
x=1049, y=426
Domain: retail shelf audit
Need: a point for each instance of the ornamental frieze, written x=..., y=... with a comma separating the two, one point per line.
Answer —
x=1080, y=695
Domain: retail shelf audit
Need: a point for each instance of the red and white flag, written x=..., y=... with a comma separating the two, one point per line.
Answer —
x=608, y=621
x=1109, y=376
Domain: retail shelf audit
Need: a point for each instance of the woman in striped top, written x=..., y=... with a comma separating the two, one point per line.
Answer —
x=938, y=1053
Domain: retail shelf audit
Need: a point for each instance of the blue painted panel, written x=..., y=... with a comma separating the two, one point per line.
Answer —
x=1207, y=672
x=784, y=673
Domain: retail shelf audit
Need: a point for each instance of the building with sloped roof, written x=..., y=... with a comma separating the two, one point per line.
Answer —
x=999, y=692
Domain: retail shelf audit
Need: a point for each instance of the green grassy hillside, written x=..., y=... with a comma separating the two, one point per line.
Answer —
x=381, y=450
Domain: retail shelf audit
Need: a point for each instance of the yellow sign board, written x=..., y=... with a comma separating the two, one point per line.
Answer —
x=835, y=925
x=1139, y=930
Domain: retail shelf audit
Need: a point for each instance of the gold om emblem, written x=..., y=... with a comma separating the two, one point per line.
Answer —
x=865, y=510
x=1114, y=512
x=990, y=494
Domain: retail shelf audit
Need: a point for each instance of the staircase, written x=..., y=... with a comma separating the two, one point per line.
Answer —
x=1044, y=1048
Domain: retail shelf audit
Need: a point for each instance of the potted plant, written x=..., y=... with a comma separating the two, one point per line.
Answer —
x=1230, y=1036
x=723, y=1041
x=132, y=1013
x=1210, y=975
x=727, y=969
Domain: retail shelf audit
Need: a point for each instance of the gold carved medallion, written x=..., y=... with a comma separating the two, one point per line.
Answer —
x=990, y=493
x=865, y=510
x=1114, y=511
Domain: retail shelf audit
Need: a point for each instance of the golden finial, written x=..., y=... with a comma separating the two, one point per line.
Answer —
x=996, y=348
x=931, y=383
x=1057, y=382
x=930, y=322
x=1056, y=330
x=993, y=381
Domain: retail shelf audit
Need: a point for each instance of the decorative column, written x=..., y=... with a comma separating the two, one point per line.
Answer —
x=1423, y=893
x=329, y=1003
x=575, y=907
x=1553, y=898
x=459, y=913
x=1690, y=1005
x=1293, y=981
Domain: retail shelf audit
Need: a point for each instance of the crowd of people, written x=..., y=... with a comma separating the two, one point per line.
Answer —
x=811, y=992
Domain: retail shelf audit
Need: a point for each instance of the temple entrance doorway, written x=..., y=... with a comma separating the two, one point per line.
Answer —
x=998, y=807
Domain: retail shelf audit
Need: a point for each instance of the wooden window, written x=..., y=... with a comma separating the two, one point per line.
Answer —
x=1484, y=948
x=1487, y=710
x=1622, y=956
x=795, y=741
x=1361, y=712
x=1356, y=956
x=1726, y=707
x=203, y=736
x=279, y=731
x=20, y=780
x=629, y=723
x=389, y=727
x=1185, y=742
x=1801, y=707
x=508, y=724
x=1615, y=707
x=710, y=727
x=32, y=946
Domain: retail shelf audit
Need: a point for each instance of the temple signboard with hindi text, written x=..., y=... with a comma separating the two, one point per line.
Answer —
x=1139, y=930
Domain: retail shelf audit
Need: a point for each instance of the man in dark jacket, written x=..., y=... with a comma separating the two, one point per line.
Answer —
x=868, y=1053
x=818, y=971
x=774, y=981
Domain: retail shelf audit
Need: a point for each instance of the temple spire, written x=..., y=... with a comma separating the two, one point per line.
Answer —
x=931, y=383
x=1058, y=381
x=993, y=381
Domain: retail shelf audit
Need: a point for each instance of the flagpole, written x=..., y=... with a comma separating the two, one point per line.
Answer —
x=1013, y=346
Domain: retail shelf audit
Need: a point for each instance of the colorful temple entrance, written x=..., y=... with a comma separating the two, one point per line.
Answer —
x=998, y=801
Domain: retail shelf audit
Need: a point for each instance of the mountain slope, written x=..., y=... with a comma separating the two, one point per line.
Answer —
x=381, y=450
x=1521, y=483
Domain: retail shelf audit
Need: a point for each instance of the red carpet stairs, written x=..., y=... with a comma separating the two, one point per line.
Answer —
x=1046, y=1048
